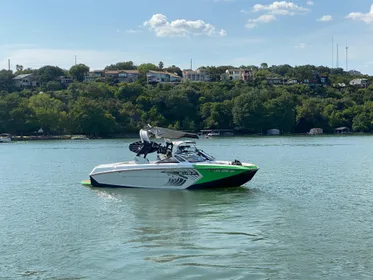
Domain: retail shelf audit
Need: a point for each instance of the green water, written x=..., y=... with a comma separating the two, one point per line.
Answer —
x=307, y=214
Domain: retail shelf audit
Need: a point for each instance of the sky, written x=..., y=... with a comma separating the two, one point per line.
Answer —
x=210, y=32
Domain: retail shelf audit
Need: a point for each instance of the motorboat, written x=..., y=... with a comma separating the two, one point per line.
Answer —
x=178, y=165
x=79, y=137
x=5, y=138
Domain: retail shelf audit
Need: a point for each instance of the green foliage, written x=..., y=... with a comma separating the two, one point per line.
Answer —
x=127, y=65
x=102, y=108
x=6, y=80
x=78, y=71
x=48, y=73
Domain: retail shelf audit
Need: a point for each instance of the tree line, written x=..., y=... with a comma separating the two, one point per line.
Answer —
x=104, y=109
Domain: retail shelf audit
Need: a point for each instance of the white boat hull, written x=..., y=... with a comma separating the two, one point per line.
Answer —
x=166, y=176
x=5, y=140
x=177, y=176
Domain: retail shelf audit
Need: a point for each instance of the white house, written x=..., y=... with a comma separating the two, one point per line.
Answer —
x=162, y=77
x=359, y=82
x=25, y=81
x=196, y=76
x=93, y=75
x=238, y=75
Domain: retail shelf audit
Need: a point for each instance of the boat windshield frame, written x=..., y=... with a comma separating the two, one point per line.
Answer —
x=188, y=152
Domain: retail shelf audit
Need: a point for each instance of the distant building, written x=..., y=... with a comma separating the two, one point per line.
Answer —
x=157, y=77
x=342, y=130
x=154, y=77
x=324, y=80
x=65, y=81
x=174, y=78
x=196, y=76
x=238, y=75
x=25, y=81
x=363, y=83
x=275, y=81
x=92, y=76
x=128, y=76
x=292, y=82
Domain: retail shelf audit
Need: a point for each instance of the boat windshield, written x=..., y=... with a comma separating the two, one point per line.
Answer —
x=190, y=157
x=189, y=152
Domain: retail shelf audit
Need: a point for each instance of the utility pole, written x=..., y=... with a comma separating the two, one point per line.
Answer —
x=346, y=57
x=191, y=64
x=75, y=59
x=8, y=64
x=337, y=57
x=332, y=52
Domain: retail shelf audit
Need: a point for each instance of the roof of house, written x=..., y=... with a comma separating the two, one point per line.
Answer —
x=121, y=71
x=158, y=72
x=241, y=70
x=358, y=81
x=174, y=75
x=22, y=76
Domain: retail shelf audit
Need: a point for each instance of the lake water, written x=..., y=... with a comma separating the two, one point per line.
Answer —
x=307, y=214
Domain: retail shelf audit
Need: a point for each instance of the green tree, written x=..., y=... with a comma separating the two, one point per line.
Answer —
x=160, y=65
x=249, y=111
x=47, y=111
x=78, y=71
x=19, y=68
x=264, y=65
x=89, y=117
x=126, y=65
x=174, y=69
x=6, y=80
x=48, y=73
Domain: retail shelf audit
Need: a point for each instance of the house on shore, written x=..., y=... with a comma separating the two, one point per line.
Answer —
x=342, y=130
x=92, y=76
x=275, y=81
x=196, y=76
x=119, y=76
x=362, y=83
x=154, y=77
x=238, y=75
x=65, y=81
x=25, y=81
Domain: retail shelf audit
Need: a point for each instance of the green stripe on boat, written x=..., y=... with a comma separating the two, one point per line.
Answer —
x=216, y=172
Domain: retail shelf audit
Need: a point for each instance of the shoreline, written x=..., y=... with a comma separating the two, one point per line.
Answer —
x=132, y=136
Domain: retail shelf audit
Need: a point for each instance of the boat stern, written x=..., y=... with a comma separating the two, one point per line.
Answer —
x=224, y=174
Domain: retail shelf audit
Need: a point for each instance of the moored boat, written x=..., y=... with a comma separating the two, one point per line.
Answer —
x=5, y=138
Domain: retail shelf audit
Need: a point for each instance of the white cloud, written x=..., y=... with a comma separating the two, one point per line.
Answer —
x=325, y=18
x=300, y=46
x=310, y=3
x=367, y=18
x=181, y=27
x=281, y=8
x=260, y=20
x=132, y=31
